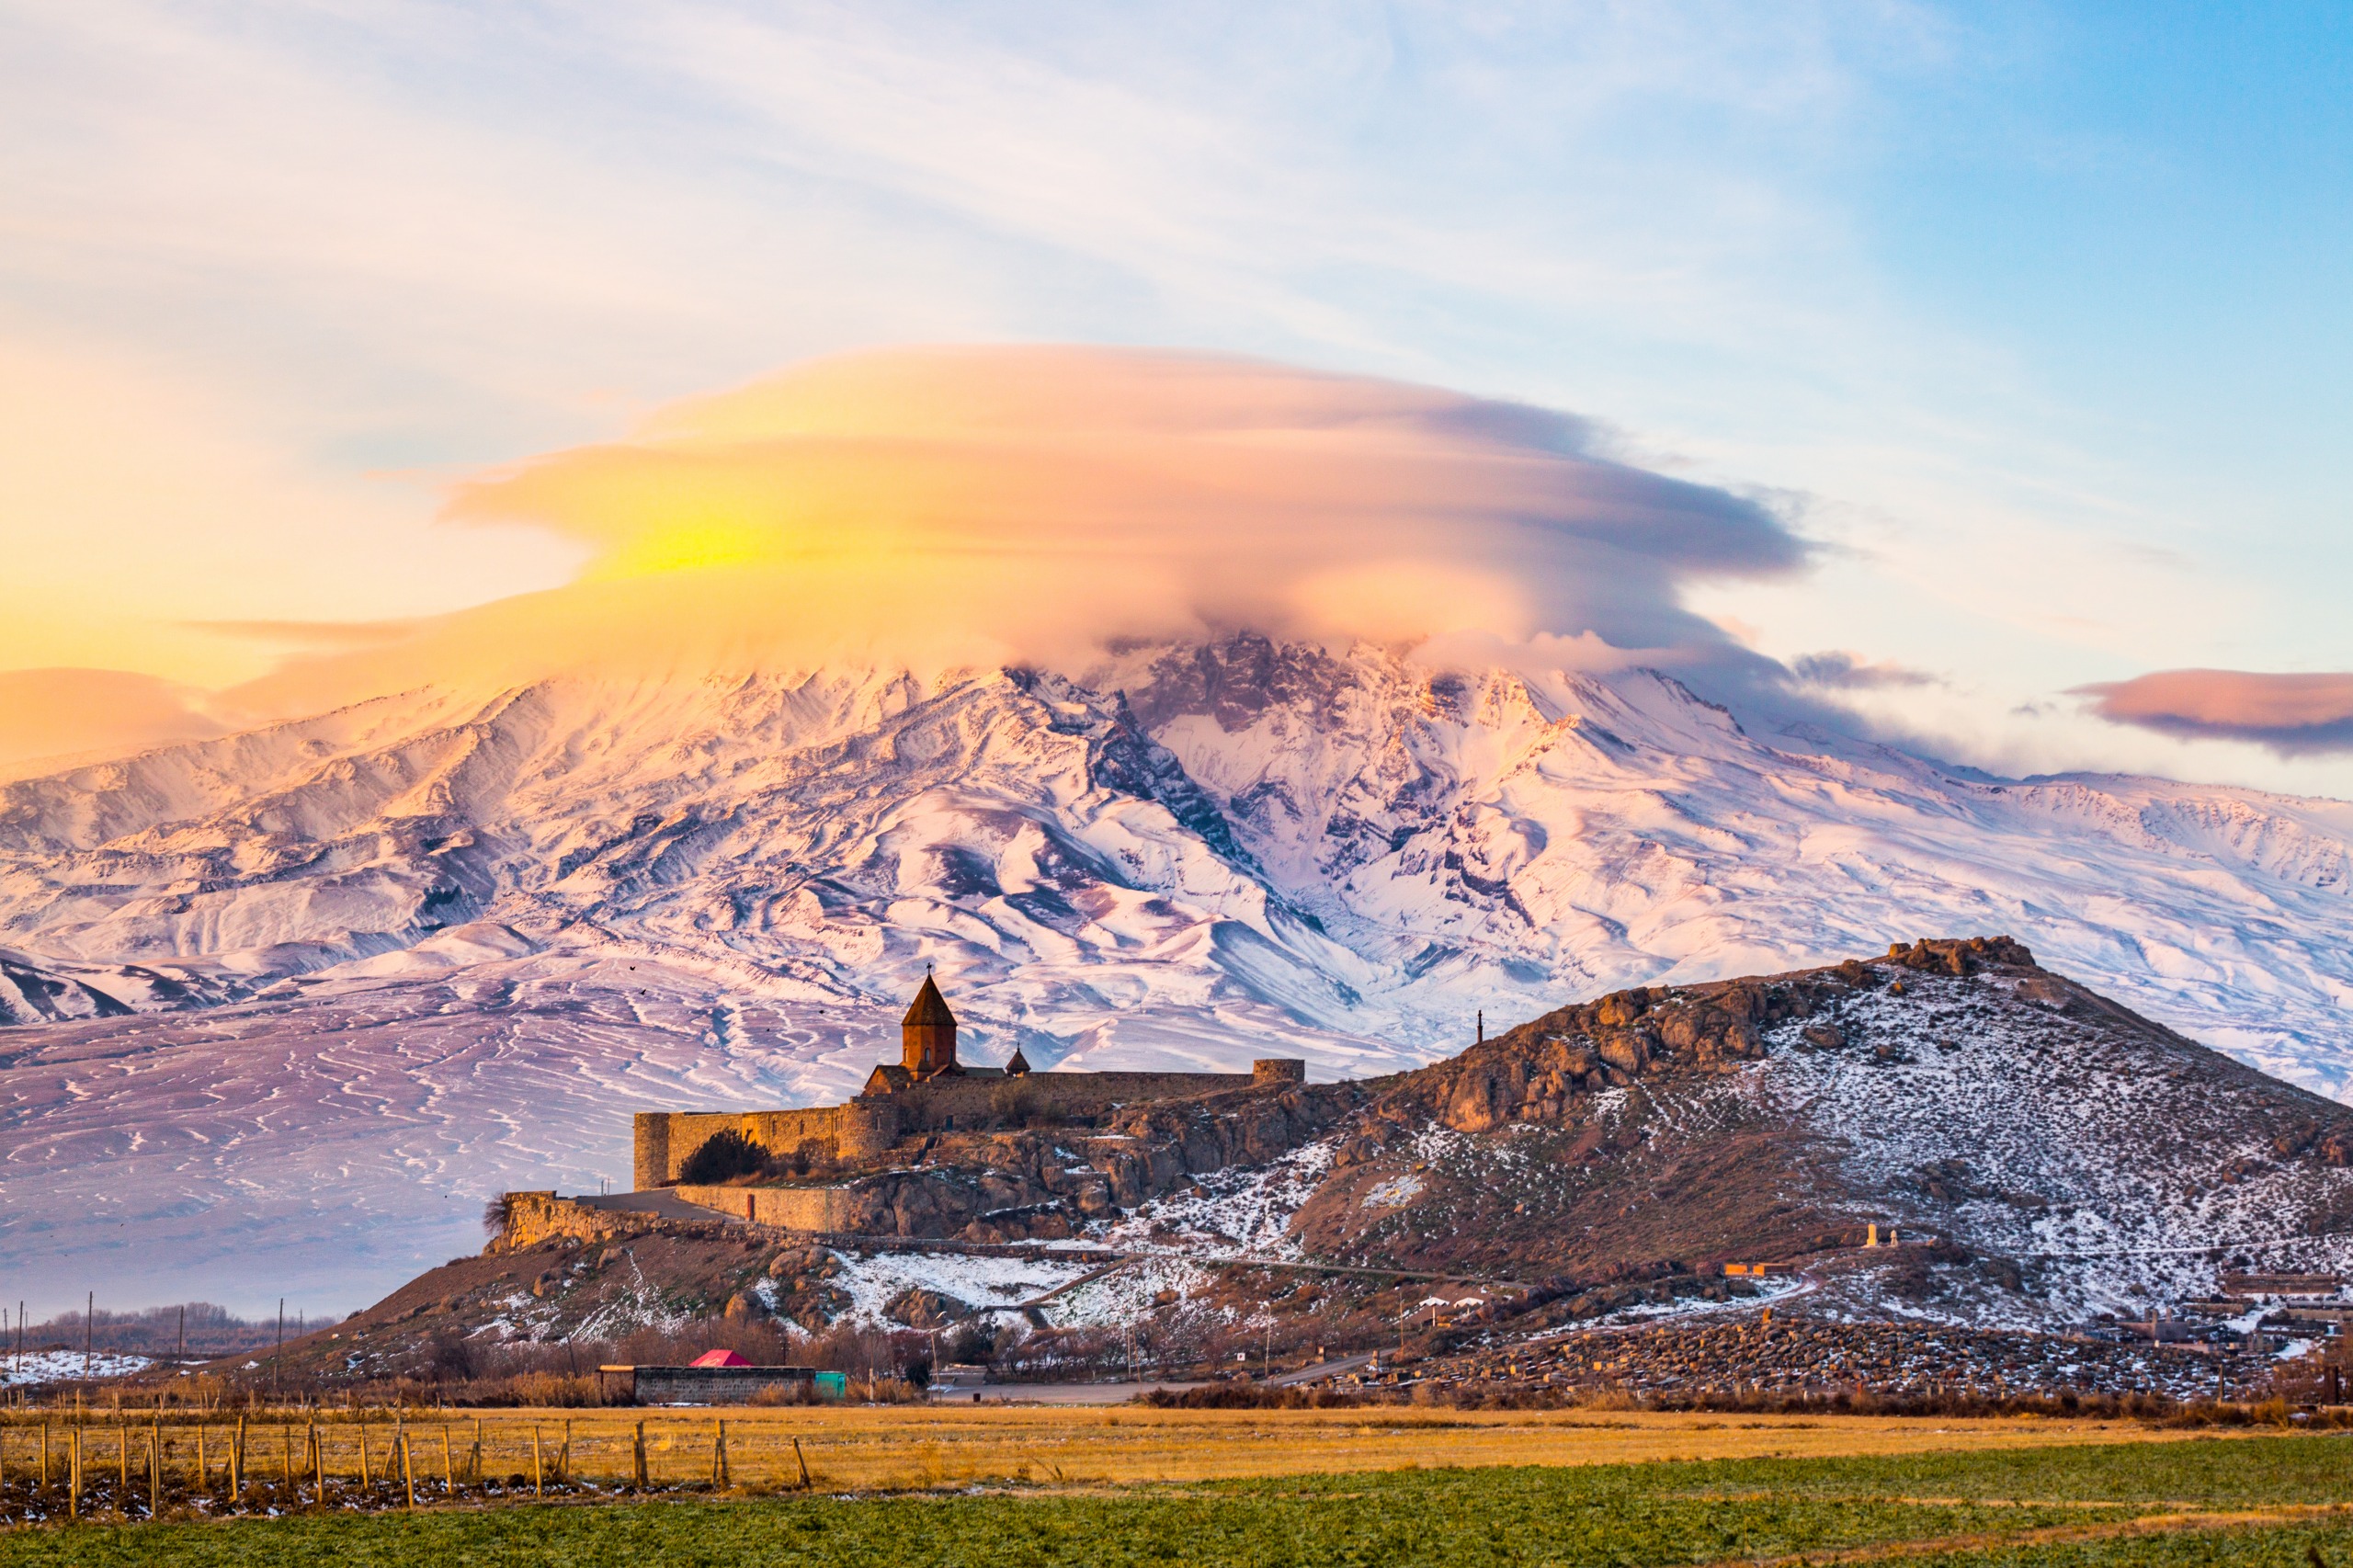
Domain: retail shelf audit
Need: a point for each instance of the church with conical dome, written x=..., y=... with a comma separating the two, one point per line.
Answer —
x=927, y=1091
x=927, y=1048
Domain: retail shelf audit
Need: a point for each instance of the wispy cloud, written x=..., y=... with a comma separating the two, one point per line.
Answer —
x=1852, y=671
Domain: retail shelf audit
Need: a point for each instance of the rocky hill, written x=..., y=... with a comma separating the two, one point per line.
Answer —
x=2064, y=1155
x=2050, y=1154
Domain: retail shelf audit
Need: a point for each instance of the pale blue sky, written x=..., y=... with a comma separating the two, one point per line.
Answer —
x=2034, y=314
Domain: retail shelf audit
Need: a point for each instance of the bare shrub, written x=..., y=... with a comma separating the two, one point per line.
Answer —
x=723, y=1156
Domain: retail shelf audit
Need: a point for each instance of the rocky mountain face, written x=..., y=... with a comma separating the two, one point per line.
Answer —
x=363, y=969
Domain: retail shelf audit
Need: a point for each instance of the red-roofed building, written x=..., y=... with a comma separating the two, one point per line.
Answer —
x=719, y=1359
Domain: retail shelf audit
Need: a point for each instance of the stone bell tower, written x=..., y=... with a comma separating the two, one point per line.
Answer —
x=927, y=1034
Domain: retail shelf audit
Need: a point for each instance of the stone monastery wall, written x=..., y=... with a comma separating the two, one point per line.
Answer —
x=862, y=1128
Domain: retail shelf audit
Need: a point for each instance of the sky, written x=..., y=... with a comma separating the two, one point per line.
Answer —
x=2026, y=323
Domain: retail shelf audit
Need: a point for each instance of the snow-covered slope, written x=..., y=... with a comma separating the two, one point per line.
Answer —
x=1188, y=854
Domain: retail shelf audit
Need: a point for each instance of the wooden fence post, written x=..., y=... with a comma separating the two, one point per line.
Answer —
x=802, y=1461
x=44, y=1456
x=719, y=1458
x=155, y=1469
x=74, y=1486
x=448, y=1475
x=121, y=1463
x=367, y=1482
x=539, y=1484
x=639, y=1450
x=563, y=1456
x=203, y=1469
x=237, y=1465
x=408, y=1475
x=476, y=1464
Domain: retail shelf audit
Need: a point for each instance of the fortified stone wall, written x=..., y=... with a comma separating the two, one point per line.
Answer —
x=666, y=1140
x=946, y=1104
x=866, y=1129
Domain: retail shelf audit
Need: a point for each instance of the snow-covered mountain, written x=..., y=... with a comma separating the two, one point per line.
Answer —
x=326, y=980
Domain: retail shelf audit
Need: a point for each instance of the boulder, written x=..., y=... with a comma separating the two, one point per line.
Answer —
x=925, y=1309
x=1625, y=1050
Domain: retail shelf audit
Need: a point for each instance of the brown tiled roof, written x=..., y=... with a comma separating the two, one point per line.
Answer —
x=929, y=1006
x=1015, y=1063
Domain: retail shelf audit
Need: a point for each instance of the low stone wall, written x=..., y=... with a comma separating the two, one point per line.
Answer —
x=789, y=1208
x=711, y=1385
x=536, y=1216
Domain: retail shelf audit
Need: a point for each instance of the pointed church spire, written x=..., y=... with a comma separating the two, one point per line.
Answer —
x=927, y=1034
x=929, y=1006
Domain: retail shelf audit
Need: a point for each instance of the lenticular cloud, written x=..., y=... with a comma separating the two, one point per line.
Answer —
x=955, y=505
x=2291, y=715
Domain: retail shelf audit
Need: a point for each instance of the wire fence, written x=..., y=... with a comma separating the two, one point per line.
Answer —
x=159, y=1468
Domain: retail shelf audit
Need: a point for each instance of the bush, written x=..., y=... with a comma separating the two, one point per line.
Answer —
x=724, y=1158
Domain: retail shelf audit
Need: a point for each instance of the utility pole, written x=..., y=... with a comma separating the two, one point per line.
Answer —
x=181, y=1354
x=279, y=1354
x=89, y=1322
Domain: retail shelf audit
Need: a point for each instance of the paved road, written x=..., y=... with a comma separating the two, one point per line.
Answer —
x=1322, y=1370
x=659, y=1202
x=1052, y=1393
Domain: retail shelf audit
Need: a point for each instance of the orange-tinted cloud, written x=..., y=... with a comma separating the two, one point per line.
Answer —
x=67, y=712
x=964, y=504
x=2291, y=715
x=310, y=633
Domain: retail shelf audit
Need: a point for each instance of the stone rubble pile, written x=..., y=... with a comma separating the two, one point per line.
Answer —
x=1749, y=1359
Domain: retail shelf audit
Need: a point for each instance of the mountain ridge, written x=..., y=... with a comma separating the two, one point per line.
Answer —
x=1186, y=855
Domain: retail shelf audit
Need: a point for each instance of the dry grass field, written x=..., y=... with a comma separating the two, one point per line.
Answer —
x=887, y=1447
x=870, y=1448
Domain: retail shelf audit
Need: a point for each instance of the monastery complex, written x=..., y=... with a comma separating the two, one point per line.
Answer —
x=927, y=1091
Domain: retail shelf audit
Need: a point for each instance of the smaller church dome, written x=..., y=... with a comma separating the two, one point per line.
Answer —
x=1017, y=1064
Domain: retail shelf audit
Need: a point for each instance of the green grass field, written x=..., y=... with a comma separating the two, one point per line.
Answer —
x=2264, y=1500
